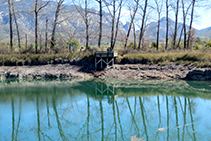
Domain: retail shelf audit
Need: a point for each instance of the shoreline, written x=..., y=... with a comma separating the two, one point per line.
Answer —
x=118, y=71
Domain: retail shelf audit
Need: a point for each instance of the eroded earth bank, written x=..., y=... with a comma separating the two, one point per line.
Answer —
x=128, y=71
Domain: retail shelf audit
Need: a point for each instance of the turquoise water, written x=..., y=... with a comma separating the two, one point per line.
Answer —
x=97, y=110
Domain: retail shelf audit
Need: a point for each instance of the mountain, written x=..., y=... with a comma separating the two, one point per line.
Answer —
x=151, y=30
x=72, y=24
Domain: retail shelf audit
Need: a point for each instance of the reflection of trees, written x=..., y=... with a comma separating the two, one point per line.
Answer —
x=38, y=118
x=120, y=124
x=143, y=118
x=48, y=112
x=62, y=135
x=13, y=118
x=167, y=112
x=102, y=120
x=133, y=118
x=105, y=121
x=191, y=115
x=115, y=123
x=88, y=116
x=184, y=116
x=177, y=120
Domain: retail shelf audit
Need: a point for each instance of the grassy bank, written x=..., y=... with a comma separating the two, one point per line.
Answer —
x=39, y=59
x=199, y=59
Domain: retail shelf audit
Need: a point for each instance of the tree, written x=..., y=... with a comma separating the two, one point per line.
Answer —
x=167, y=23
x=182, y=30
x=184, y=22
x=84, y=14
x=46, y=35
x=114, y=31
x=191, y=22
x=101, y=22
x=176, y=21
x=59, y=4
x=131, y=22
x=142, y=25
x=159, y=9
x=16, y=23
x=36, y=11
x=10, y=20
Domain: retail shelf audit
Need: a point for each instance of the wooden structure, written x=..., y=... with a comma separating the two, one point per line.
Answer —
x=106, y=57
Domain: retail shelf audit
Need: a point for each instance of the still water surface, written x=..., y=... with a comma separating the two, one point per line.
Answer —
x=110, y=110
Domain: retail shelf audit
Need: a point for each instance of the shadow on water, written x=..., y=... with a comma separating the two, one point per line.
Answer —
x=105, y=110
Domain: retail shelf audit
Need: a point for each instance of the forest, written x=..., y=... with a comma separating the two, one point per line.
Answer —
x=52, y=27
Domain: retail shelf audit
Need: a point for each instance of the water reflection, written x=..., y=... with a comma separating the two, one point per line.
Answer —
x=104, y=110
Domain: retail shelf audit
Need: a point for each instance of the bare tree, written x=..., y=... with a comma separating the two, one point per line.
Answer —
x=159, y=9
x=182, y=30
x=176, y=21
x=134, y=33
x=16, y=23
x=184, y=22
x=167, y=23
x=59, y=5
x=10, y=20
x=36, y=11
x=191, y=22
x=142, y=24
x=46, y=35
x=114, y=31
x=131, y=22
x=84, y=14
x=101, y=22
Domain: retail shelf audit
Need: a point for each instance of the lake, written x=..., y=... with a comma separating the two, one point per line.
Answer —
x=105, y=109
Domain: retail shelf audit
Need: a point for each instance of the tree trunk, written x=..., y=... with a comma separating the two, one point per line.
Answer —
x=101, y=22
x=180, y=37
x=142, y=25
x=184, y=23
x=113, y=23
x=10, y=20
x=87, y=25
x=36, y=24
x=190, y=27
x=167, y=24
x=131, y=23
x=17, y=29
x=175, y=29
x=40, y=42
x=46, y=35
x=134, y=33
x=158, y=31
x=55, y=23
x=117, y=24
x=26, y=46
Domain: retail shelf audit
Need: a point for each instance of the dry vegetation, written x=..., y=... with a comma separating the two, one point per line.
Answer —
x=199, y=56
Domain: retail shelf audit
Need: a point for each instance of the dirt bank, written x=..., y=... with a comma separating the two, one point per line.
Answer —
x=128, y=71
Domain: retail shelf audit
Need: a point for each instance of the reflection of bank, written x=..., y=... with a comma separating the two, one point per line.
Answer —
x=104, y=91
